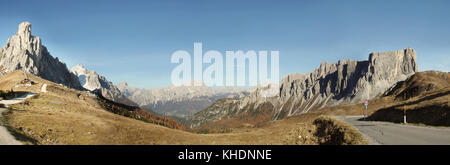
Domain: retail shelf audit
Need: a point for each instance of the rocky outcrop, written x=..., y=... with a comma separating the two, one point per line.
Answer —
x=330, y=84
x=179, y=101
x=25, y=52
x=98, y=84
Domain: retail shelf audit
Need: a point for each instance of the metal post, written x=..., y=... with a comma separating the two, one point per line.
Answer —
x=404, y=115
x=362, y=112
x=404, y=109
x=366, y=106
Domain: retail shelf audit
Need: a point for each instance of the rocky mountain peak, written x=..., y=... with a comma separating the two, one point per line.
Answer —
x=79, y=69
x=25, y=52
x=402, y=61
x=123, y=84
x=98, y=84
x=24, y=30
x=89, y=79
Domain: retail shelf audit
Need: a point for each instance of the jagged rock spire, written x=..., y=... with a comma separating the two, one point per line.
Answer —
x=24, y=51
x=24, y=30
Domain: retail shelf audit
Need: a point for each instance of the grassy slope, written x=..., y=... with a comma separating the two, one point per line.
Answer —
x=66, y=116
x=138, y=113
x=252, y=118
x=425, y=98
x=333, y=131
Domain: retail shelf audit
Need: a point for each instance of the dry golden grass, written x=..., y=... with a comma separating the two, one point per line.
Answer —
x=428, y=109
x=9, y=81
x=424, y=97
x=333, y=131
x=356, y=109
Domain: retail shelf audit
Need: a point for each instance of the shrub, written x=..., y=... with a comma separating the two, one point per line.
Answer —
x=334, y=132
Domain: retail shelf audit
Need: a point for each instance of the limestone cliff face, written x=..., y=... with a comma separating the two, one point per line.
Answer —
x=26, y=52
x=330, y=84
x=98, y=84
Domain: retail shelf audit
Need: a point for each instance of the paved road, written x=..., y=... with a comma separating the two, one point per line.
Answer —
x=5, y=137
x=398, y=134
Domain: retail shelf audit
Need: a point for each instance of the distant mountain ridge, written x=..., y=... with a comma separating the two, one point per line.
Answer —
x=330, y=84
x=25, y=52
x=180, y=101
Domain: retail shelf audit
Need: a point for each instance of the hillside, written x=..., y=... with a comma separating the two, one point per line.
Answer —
x=65, y=109
x=138, y=113
x=421, y=83
x=254, y=117
x=424, y=96
x=67, y=116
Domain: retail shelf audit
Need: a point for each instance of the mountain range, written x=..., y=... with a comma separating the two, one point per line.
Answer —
x=179, y=101
x=331, y=84
x=176, y=101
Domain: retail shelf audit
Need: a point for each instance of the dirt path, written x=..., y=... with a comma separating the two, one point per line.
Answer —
x=5, y=137
x=398, y=134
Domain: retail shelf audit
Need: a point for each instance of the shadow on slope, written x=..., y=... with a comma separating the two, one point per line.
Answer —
x=424, y=97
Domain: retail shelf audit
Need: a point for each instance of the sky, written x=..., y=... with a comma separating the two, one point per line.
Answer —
x=133, y=41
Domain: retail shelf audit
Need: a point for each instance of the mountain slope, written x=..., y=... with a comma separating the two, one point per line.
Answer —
x=66, y=116
x=98, y=84
x=26, y=52
x=420, y=83
x=329, y=85
x=424, y=97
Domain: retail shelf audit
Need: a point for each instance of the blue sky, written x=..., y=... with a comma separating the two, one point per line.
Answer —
x=133, y=40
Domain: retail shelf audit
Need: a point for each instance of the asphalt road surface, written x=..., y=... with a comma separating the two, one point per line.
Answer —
x=387, y=133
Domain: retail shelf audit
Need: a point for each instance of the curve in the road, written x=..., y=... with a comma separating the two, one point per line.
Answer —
x=398, y=134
